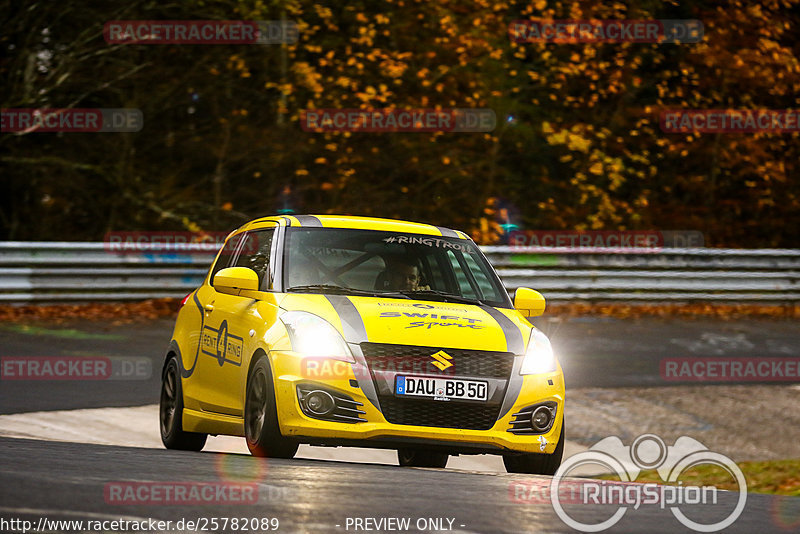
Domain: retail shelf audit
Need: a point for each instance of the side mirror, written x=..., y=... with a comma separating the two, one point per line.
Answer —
x=528, y=302
x=234, y=280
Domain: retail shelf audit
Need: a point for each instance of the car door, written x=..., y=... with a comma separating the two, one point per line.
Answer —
x=199, y=311
x=227, y=339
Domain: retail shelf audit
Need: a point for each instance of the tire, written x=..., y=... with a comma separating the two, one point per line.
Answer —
x=261, y=416
x=419, y=458
x=170, y=412
x=536, y=464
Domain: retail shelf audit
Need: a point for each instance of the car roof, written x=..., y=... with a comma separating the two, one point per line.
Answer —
x=354, y=222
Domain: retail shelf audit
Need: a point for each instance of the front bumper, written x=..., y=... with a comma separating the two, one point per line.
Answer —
x=289, y=371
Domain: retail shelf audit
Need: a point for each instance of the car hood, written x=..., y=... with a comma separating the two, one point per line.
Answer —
x=417, y=322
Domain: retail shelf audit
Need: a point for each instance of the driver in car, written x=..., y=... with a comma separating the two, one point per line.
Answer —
x=403, y=275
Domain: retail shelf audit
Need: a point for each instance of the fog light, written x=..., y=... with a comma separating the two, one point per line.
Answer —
x=541, y=418
x=320, y=402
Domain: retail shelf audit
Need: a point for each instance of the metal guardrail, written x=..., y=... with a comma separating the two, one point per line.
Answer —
x=71, y=272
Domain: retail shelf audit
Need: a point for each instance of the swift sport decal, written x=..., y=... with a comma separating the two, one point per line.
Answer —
x=435, y=319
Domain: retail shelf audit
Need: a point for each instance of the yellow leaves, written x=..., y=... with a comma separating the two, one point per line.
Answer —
x=301, y=172
x=445, y=160
x=331, y=146
x=597, y=168
x=191, y=225
x=321, y=161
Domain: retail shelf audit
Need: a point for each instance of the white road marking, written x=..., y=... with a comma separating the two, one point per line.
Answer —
x=138, y=427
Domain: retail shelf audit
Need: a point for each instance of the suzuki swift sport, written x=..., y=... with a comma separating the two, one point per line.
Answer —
x=354, y=331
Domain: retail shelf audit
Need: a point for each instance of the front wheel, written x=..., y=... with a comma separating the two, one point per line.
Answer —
x=536, y=464
x=418, y=458
x=171, y=412
x=261, y=416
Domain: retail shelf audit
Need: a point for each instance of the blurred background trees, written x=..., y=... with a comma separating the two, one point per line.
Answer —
x=577, y=143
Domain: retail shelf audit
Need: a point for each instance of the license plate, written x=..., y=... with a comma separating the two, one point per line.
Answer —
x=441, y=388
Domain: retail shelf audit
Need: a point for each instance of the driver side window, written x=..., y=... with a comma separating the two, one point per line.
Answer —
x=255, y=254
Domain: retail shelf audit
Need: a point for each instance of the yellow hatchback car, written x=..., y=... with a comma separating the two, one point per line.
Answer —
x=355, y=331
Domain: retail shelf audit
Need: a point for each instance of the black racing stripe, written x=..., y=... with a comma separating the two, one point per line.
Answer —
x=186, y=373
x=308, y=220
x=516, y=345
x=514, y=388
x=354, y=334
x=514, y=341
x=447, y=232
x=352, y=324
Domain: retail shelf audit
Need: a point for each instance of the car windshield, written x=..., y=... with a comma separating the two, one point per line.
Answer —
x=369, y=262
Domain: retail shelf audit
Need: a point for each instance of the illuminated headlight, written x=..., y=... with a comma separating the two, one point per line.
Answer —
x=539, y=357
x=314, y=336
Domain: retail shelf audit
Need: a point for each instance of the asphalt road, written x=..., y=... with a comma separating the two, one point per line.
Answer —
x=69, y=481
x=594, y=352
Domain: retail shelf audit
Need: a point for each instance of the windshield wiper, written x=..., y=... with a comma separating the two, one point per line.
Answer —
x=448, y=297
x=350, y=290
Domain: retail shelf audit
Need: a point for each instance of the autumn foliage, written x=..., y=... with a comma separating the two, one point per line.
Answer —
x=577, y=145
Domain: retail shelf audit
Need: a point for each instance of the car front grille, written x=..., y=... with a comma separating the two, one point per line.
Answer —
x=413, y=359
x=438, y=413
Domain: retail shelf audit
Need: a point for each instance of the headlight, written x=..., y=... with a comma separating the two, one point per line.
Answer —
x=539, y=357
x=314, y=336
